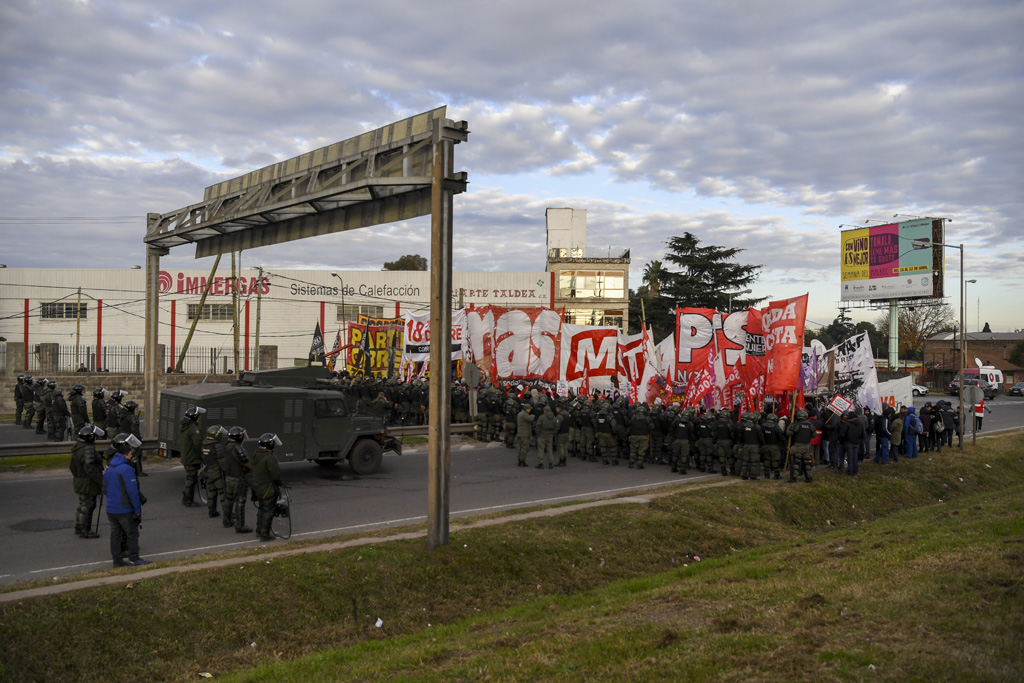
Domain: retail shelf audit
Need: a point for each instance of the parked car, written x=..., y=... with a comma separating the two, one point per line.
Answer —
x=920, y=390
x=987, y=389
x=1017, y=389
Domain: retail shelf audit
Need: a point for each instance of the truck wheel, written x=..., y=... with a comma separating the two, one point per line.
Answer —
x=366, y=457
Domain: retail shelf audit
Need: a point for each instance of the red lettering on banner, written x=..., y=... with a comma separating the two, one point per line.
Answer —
x=595, y=349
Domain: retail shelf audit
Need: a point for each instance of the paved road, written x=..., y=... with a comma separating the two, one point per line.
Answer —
x=38, y=538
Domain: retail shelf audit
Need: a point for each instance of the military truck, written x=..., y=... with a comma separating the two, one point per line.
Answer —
x=314, y=419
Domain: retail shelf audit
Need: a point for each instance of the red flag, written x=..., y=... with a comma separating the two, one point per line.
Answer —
x=585, y=385
x=695, y=341
x=783, y=323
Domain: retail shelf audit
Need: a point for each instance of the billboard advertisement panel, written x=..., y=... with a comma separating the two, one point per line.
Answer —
x=889, y=261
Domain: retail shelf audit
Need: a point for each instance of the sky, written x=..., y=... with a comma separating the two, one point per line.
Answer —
x=761, y=126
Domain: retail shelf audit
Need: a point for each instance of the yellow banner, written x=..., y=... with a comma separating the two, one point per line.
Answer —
x=855, y=254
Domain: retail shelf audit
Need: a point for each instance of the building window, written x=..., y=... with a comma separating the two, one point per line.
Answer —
x=63, y=311
x=214, y=312
x=594, y=316
x=349, y=313
x=591, y=284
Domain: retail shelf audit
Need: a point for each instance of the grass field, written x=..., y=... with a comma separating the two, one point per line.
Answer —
x=908, y=572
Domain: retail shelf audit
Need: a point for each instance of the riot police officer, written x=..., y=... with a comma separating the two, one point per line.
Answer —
x=238, y=480
x=99, y=408
x=39, y=401
x=19, y=399
x=801, y=432
x=87, y=473
x=190, y=445
x=28, y=395
x=129, y=424
x=58, y=424
x=266, y=481
x=213, y=457
x=79, y=409
x=774, y=437
x=681, y=436
x=114, y=411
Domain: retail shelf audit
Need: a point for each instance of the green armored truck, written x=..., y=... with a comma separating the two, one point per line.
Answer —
x=314, y=419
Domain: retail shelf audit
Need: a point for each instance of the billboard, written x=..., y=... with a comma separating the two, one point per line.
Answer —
x=892, y=261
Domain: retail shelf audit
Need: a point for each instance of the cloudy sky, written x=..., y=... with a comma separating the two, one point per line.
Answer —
x=756, y=125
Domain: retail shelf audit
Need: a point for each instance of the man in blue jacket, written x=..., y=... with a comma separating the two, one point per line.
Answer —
x=124, y=503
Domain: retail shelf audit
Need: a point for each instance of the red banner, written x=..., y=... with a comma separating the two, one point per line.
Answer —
x=783, y=323
x=695, y=341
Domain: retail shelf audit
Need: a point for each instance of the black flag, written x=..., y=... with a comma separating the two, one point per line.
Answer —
x=316, y=350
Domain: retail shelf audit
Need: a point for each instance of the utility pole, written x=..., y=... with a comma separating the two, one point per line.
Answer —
x=78, y=326
x=259, y=298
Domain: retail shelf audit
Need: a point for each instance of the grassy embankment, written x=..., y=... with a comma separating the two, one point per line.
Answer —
x=909, y=572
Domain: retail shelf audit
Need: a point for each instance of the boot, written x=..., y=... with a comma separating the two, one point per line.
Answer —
x=561, y=462
x=189, y=503
x=777, y=475
x=639, y=465
x=540, y=466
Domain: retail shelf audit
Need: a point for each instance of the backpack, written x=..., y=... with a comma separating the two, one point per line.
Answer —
x=916, y=427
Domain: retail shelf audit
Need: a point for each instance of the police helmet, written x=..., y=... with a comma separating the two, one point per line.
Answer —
x=772, y=417
x=123, y=443
x=21, y=379
x=29, y=379
x=89, y=432
x=41, y=382
x=57, y=390
x=801, y=414
x=215, y=432
x=194, y=412
x=268, y=440
x=118, y=395
x=77, y=388
x=52, y=384
x=237, y=434
x=130, y=406
x=98, y=393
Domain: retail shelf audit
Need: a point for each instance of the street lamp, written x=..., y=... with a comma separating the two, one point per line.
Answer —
x=963, y=358
x=963, y=350
x=732, y=294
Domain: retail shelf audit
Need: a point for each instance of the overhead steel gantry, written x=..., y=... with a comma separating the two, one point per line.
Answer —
x=394, y=173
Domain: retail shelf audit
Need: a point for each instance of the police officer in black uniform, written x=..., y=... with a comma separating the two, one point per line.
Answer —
x=87, y=473
x=59, y=413
x=99, y=408
x=238, y=480
x=79, y=409
x=19, y=399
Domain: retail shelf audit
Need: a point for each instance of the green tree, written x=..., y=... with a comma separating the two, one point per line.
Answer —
x=407, y=262
x=654, y=275
x=1017, y=354
x=917, y=322
x=706, y=275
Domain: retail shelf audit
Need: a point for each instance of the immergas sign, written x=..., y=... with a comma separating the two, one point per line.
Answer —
x=180, y=283
x=889, y=261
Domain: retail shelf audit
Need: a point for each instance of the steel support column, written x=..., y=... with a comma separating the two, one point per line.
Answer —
x=439, y=446
x=151, y=367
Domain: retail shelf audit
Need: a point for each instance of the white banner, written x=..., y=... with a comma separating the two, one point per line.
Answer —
x=417, y=336
x=897, y=392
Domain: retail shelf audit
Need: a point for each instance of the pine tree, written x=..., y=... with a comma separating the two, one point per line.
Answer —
x=707, y=274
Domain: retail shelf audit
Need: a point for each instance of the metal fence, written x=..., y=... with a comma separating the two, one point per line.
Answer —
x=55, y=358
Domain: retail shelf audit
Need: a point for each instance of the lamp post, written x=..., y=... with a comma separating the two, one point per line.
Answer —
x=963, y=350
x=963, y=418
x=732, y=294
